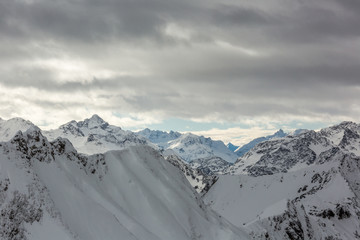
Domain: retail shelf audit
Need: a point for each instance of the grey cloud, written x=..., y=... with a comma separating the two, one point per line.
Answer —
x=240, y=16
x=308, y=62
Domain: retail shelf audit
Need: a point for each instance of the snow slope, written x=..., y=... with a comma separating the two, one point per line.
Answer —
x=94, y=135
x=298, y=187
x=317, y=202
x=50, y=191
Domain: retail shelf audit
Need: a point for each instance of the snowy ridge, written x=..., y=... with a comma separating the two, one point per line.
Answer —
x=197, y=179
x=94, y=135
x=317, y=202
x=211, y=165
x=189, y=147
x=298, y=187
x=231, y=147
x=49, y=191
x=8, y=128
x=294, y=152
x=160, y=138
x=240, y=151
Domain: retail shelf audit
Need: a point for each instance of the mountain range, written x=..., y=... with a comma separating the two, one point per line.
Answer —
x=92, y=180
x=298, y=187
x=50, y=191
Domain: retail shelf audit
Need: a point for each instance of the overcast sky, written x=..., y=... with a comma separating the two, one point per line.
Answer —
x=227, y=69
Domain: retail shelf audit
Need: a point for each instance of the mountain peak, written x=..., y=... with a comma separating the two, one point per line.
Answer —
x=96, y=117
x=232, y=147
x=94, y=122
x=279, y=133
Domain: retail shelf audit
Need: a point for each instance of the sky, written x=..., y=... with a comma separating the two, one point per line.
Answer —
x=231, y=70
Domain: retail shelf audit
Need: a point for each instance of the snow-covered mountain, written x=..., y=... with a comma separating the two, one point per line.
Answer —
x=232, y=147
x=298, y=187
x=196, y=177
x=160, y=138
x=204, y=154
x=298, y=132
x=8, y=128
x=240, y=151
x=211, y=165
x=188, y=146
x=50, y=191
x=192, y=147
x=94, y=135
x=294, y=152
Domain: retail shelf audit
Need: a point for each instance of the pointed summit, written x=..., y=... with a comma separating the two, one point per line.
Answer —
x=279, y=133
x=96, y=117
x=94, y=122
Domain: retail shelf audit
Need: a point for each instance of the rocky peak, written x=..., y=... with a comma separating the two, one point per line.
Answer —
x=280, y=133
x=94, y=122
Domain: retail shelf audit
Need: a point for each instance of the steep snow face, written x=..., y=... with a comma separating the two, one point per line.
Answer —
x=316, y=202
x=240, y=151
x=94, y=135
x=48, y=190
x=9, y=128
x=160, y=138
x=295, y=152
x=191, y=147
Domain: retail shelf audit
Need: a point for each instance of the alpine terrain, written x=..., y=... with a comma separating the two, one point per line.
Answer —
x=94, y=135
x=303, y=186
x=48, y=190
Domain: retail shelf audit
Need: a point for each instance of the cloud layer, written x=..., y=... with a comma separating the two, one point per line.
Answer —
x=137, y=62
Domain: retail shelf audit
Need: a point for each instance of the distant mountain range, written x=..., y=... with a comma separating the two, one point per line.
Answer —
x=92, y=180
x=240, y=151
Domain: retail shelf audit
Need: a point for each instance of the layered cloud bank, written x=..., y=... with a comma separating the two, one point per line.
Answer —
x=138, y=63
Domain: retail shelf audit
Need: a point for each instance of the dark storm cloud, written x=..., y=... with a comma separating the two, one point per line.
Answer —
x=186, y=58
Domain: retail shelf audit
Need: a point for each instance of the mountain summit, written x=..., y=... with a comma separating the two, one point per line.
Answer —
x=94, y=135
